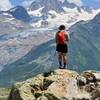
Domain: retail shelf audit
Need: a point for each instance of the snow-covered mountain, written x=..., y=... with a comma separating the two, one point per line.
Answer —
x=56, y=5
x=52, y=13
x=19, y=13
x=47, y=5
x=16, y=39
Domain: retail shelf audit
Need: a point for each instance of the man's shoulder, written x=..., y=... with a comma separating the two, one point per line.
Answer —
x=58, y=31
x=66, y=32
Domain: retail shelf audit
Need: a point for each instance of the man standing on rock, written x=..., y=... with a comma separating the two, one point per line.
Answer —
x=62, y=38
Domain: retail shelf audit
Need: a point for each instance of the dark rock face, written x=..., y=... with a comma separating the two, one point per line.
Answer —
x=69, y=5
x=14, y=94
x=95, y=94
x=89, y=77
x=81, y=81
x=56, y=5
x=92, y=85
x=35, y=5
x=20, y=13
x=52, y=5
x=47, y=5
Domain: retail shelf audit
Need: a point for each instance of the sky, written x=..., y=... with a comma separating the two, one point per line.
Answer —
x=6, y=4
x=93, y=3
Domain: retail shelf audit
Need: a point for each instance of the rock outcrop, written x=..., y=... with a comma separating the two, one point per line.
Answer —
x=59, y=85
x=4, y=92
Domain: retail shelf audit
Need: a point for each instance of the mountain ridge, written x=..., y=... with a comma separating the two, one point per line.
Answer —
x=56, y=5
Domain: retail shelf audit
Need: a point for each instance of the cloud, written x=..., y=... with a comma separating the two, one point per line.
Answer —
x=77, y=2
x=61, y=1
x=5, y=4
x=27, y=3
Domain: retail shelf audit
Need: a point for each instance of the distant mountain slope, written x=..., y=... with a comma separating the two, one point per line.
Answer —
x=85, y=44
x=10, y=30
x=9, y=24
x=36, y=61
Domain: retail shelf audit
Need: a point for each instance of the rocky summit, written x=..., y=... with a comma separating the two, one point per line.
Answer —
x=60, y=84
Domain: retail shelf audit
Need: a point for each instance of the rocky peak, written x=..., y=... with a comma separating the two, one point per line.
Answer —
x=20, y=13
x=94, y=25
x=56, y=5
x=96, y=19
x=47, y=5
x=59, y=85
x=69, y=5
x=35, y=5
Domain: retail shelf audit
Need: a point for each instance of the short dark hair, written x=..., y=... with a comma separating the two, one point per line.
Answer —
x=62, y=27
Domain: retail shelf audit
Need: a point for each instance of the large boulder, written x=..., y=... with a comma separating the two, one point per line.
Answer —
x=26, y=90
x=91, y=76
x=60, y=84
x=95, y=95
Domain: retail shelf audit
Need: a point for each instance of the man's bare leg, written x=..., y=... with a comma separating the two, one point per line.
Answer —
x=65, y=60
x=60, y=59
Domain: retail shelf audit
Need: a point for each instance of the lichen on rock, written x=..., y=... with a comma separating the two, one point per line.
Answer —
x=60, y=84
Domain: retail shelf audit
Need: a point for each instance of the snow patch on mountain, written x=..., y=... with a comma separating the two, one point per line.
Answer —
x=5, y=5
x=68, y=17
x=77, y=2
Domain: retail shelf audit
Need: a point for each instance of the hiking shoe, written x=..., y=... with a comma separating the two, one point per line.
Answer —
x=60, y=67
x=64, y=67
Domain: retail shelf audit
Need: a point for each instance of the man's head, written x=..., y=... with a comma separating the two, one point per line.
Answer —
x=62, y=27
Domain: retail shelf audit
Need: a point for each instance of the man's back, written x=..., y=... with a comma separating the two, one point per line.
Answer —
x=62, y=37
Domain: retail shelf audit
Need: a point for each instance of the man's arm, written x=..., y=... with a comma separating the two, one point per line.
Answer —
x=56, y=38
x=67, y=36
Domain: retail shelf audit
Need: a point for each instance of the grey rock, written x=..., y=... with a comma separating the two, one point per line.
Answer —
x=81, y=81
x=89, y=77
x=95, y=95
